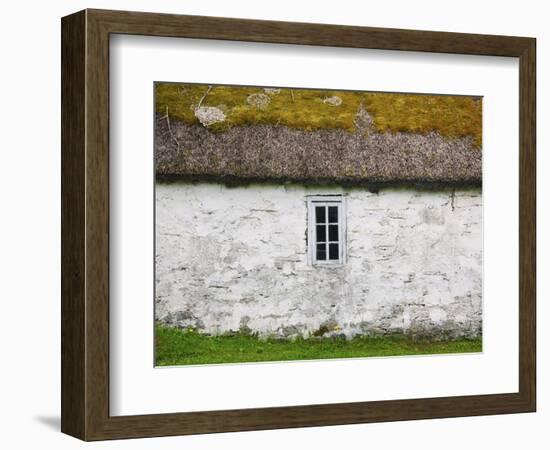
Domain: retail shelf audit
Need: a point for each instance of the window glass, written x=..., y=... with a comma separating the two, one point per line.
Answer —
x=320, y=214
x=332, y=233
x=321, y=252
x=321, y=233
x=333, y=251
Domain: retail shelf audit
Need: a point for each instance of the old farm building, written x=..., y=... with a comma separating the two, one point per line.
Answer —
x=300, y=212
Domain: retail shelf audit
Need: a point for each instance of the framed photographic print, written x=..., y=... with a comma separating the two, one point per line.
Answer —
x=272, y=225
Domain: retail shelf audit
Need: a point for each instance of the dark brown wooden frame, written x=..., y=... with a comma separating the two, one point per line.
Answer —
x=85, y=224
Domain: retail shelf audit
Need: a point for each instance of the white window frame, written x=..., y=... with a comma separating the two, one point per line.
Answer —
x=326, y=200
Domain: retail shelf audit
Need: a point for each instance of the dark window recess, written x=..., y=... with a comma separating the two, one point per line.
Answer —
x=333, y=233
x=320, y=214
x=333, y=251
x=321, y=233
x=321, y=252
x=333, y=214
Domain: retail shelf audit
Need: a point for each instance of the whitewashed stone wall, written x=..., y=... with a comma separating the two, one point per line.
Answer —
x=231, y=259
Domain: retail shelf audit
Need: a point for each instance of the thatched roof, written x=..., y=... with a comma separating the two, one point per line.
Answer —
x=272, y=152
x=316, y=136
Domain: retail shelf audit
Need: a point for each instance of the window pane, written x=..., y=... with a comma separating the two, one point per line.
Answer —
x=333, y=214
x=333, y=232
x=321, y=252
x=320, y=214
x=333, y=251
x=321, y=233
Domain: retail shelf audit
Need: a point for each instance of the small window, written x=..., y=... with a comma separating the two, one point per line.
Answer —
x=326, y=230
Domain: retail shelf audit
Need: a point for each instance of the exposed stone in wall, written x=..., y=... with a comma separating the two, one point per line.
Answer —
x=230, y=259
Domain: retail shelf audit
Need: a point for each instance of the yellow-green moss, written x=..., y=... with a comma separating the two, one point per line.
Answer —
x=452, y=116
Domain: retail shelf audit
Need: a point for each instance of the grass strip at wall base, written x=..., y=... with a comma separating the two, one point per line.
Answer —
x=174, y=347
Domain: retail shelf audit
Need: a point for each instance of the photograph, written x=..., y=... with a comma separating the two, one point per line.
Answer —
x=300, y=224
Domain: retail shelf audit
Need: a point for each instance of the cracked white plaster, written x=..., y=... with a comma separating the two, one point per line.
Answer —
x=235, y=258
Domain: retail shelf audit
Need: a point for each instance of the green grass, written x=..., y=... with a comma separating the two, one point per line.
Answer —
x=452, y=116
x=182, y=347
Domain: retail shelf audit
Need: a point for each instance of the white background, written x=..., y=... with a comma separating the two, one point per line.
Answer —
x=30, y=238
x=139, y=388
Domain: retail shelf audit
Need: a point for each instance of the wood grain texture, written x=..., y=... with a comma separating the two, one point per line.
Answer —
x=73, y=225
x=85, y=224
x=527, y=224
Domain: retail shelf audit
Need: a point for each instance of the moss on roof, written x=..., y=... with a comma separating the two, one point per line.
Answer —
x=311, y=109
